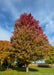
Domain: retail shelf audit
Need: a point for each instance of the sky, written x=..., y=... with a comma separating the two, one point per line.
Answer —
x=42, y=10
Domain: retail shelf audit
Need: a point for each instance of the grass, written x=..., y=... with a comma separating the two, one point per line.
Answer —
x=32, y=71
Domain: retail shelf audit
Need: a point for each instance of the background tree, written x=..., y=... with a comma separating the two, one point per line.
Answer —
x=4, y=53
x=28, y=40
x=50, y=60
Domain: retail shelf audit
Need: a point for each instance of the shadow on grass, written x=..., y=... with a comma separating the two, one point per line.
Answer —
x=19, y=68
x=3, y=69
x=23, y=69
x=31, y=69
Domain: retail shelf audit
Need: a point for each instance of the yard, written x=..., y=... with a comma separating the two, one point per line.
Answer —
x=32, y=71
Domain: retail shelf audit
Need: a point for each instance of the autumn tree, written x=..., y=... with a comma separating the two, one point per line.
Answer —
x=3, y=50
x=7, y=56
x=28, y=40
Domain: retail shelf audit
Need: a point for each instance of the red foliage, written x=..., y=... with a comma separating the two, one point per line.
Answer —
x=28, y=20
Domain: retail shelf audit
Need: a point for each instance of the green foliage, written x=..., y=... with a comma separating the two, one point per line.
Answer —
x=51, y=56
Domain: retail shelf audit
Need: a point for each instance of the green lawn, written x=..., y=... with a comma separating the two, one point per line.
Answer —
x=32, y=71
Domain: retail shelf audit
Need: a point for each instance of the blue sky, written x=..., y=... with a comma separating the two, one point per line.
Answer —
x=42, y=10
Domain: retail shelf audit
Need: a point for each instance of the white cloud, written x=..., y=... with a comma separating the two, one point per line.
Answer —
x=9, y=7
x=4, y=35
x=47, y=22
x=49, y=31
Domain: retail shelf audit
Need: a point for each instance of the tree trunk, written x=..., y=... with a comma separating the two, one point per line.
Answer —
x=7, y=68
x=0, y=62
x=52, y=65
x=26, y=68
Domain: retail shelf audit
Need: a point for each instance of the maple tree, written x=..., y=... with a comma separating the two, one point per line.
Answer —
x=28, y=40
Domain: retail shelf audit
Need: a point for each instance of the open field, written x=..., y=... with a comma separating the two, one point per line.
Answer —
x=32, y=71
